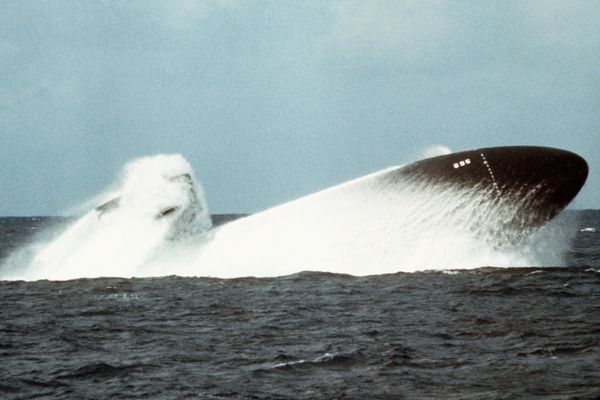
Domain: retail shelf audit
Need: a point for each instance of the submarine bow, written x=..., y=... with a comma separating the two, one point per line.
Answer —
x=531, y=184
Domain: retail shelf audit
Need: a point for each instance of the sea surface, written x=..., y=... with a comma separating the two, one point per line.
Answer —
x=516, y=333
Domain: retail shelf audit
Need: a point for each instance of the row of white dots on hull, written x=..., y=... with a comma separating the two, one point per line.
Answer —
x=489, y=168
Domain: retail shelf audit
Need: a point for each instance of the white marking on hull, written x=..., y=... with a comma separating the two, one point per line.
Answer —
x=491, y=173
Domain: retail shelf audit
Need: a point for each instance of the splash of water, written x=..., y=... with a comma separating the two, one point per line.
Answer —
x=157, y=223
x=363, y=228
x=157, y=205
x=436, y=150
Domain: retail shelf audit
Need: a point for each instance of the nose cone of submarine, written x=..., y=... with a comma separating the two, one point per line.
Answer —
x=556, y=175
x=537, y=181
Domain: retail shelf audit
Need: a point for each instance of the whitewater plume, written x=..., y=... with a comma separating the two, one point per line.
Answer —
x=436, y=150
x=157, y=204
x=364, y=228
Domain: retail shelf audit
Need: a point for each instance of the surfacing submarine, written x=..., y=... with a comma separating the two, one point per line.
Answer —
x=534, y=183
x=465, y=209
x=460, y=210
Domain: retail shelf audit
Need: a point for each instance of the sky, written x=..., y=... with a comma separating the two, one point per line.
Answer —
x=273, y=100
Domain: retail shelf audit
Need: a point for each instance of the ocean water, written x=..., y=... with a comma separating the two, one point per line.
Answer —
x=531, y=332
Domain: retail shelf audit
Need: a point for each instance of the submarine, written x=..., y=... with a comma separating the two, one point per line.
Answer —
x=481, y=207
x=457, y=210
x=532, y=183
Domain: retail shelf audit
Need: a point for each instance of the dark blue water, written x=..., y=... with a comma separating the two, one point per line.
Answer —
x=475, y=334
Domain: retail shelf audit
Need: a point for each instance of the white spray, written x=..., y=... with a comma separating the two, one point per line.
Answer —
x=158, y=204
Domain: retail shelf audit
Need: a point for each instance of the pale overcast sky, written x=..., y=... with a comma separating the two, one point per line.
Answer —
x=271, y=100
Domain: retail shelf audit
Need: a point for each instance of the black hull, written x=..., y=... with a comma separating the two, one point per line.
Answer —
x=532, y=184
